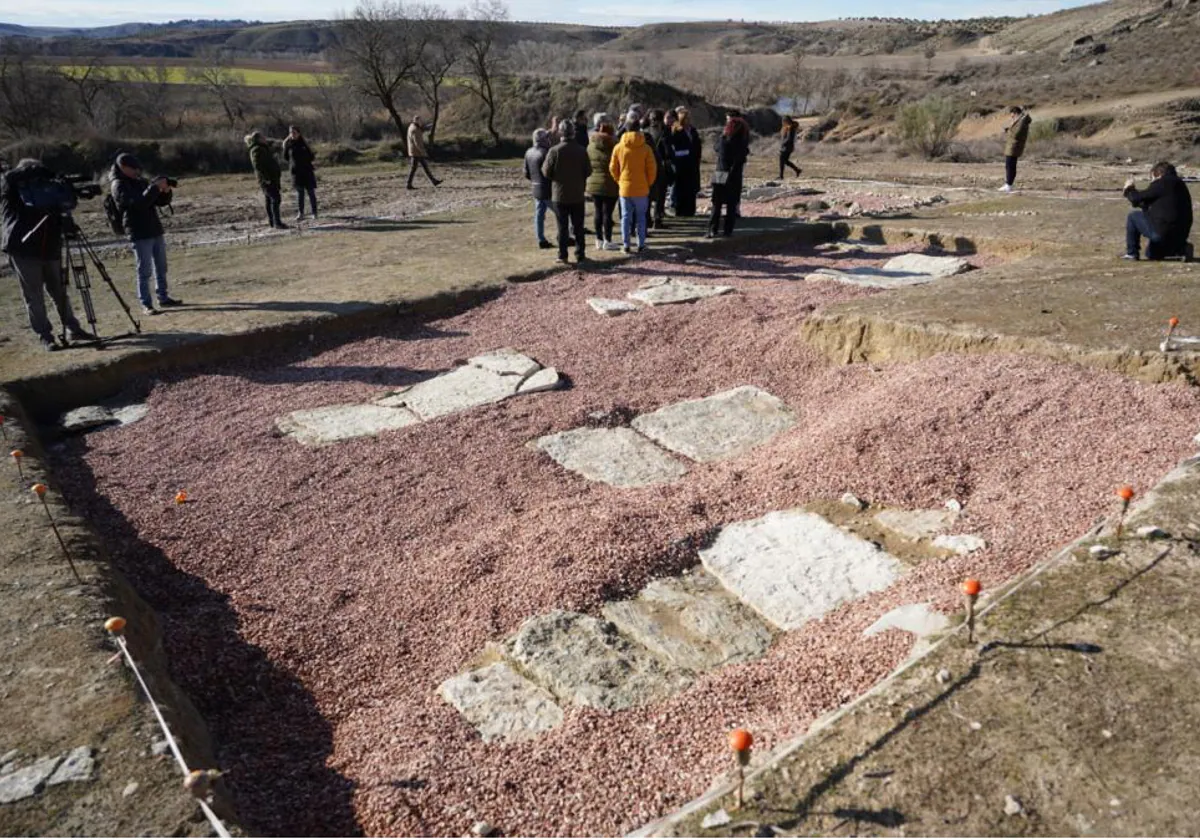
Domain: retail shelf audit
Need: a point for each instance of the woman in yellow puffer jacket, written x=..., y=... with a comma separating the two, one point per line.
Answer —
x=634, y=169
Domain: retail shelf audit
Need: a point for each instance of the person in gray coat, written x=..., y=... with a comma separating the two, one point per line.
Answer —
x=534, y=158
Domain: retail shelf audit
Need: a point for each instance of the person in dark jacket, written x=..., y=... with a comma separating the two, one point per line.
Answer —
x=567, y=168
x=665, y=154
x=787, y=146
x=601, y=187
x=32, y=239
x=1162, y=214
x=581, y=128
x=687, y=148
x=655, y=131
x=266, y=169
x=138, y=201
x=534, y=158
x=301, y=161
x=732, y=149
x=1017, y=135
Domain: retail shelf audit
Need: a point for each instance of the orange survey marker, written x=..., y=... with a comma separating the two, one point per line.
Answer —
x=1126, y=494
x=971, y=589
x=740, y=741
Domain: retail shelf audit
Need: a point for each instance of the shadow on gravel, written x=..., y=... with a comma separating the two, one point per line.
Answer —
x=270, y=739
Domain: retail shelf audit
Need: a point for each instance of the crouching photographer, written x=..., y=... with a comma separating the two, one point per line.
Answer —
x=35, y=204
x=137, y=201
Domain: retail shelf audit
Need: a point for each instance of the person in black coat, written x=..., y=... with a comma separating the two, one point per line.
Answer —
x=687, y=146
x=138, y=201
x=1162, y=214
x=301, y=161
x=732, y=149
x=787, y=146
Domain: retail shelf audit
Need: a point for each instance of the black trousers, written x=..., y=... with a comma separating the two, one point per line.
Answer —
x=312, y=199
x=785, y=159
x=658, y=204
x=273, y=200
x=570, y=215
x=1010, y=170
x=727, y=197
x=414, y=162
x=604, y=207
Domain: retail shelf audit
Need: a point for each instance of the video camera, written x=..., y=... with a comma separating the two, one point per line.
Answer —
x=59, y=194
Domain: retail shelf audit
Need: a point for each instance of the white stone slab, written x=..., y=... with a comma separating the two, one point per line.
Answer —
x=960, y=543
x=715, y=428
x=871, y=278
x=620, y=457
x=460, y=389
x=663, y=291
x=77, y=766
x=611, y=308
x=585, y=661
x=132, y=413
x=85, y=418
x=546, y=379
x=916, y=524
x=27, y=781
x=925, y=264
x=918, y=619
x=501, y=704
x=692, y=622
x=332, y=423
x=506, y=362
x=793, y=566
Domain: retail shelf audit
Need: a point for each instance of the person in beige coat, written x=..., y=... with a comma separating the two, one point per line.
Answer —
x=417, y=153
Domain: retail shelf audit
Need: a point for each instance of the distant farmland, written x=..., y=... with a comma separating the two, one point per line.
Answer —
x=253, y=76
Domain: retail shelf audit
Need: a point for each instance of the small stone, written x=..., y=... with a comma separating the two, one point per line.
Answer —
x=1152, y=532
x=9, y=756
x=953, y=505
x=611, y=308
x=853, y=501
x=1114, y=803
x=1106, y=733
x=1102, y=552
x=76, y=767
x=546, y=379
x=130, y=789
x=1013, y=806
x=960, y=543
x=160, y=747
x=944, y=676
x=27, y=781
x=716, y=819
x=976, y=726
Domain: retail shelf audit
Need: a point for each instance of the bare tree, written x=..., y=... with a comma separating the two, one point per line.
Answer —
x=88, y=77
x=335, y=100
x=800, y=83
x=748, y=84
x=379, y=50
x=29, y=93
x=483, y=59
x=152, y=95
x=215, y=74
x=930, y=54
x=440, y=51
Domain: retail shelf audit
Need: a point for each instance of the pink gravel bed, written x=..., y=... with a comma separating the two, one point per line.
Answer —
x=313, y=600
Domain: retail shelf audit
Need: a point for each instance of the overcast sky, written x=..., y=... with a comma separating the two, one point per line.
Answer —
x=610, y=12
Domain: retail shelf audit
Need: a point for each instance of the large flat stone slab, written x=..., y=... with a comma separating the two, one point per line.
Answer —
x=692, y=622
x=501, y=704
x=793, y=566
x=460, y=389
x=506, y=362
x=715, y=428
x=610, y=307
x=926, y=264
x=585, y=661
x=333, y=423
x=664, y=290
x=619, y=457
x=871, y=278
x=27, y=781
x=916, y=524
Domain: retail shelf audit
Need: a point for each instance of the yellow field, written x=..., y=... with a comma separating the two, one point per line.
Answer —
x=253, y=77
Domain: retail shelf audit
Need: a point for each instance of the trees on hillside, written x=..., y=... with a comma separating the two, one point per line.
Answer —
x=378, y=50
x=483, y=58
x=214, y=73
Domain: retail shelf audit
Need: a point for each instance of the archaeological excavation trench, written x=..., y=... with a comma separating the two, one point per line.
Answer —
x=528, y=563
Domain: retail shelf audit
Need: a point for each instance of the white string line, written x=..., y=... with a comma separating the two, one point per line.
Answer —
x=213, y=819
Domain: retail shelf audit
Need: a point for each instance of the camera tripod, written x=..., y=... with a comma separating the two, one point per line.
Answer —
x=77, y=252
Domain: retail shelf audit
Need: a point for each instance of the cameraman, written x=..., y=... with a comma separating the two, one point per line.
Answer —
x=138, y=201
x=32, y=203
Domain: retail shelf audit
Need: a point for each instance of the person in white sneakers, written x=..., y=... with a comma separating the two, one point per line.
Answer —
x=1016, y=136
x=601, y=187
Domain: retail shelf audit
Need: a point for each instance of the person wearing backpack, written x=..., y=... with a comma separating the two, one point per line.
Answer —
x=137, y=201
x=266, y=167
x=301, y=161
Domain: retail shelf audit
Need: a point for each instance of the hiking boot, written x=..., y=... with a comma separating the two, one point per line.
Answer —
x=627, y=250
x=169, y=301
x=436, y=182
x=281, y=226
x=48, y=343
x=300, y=217
x=78, y=333
x=409, y=187
x=545, y=244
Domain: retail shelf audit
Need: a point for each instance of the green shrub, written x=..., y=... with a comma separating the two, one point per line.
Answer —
x=928, y=126
x=1043, y=130
x=93, y=156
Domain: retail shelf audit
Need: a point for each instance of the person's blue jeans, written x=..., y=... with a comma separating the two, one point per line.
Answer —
x=633, y=212
x=540, y=207
x=150, y=256
x=1137, y=225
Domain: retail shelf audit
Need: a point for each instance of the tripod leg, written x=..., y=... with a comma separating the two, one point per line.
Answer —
x=104, y=275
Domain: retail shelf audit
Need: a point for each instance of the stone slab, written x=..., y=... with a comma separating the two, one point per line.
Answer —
x=86, y=418
x=916, y=524
x=460, y=389
x=715, y=428
x=663, y=291
x=960, y=543
x=501, y=704
x=132, y=413
x=27, y=781
x=919, y=619
x=506, y=362
x=333, y=423
x=619, y=457
x=926, y=264
x=871, y=278
x=77, y=766
x=611, y=308
x=585, y=661
x=546, y=379
x=793, y=566
x=692, y=622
